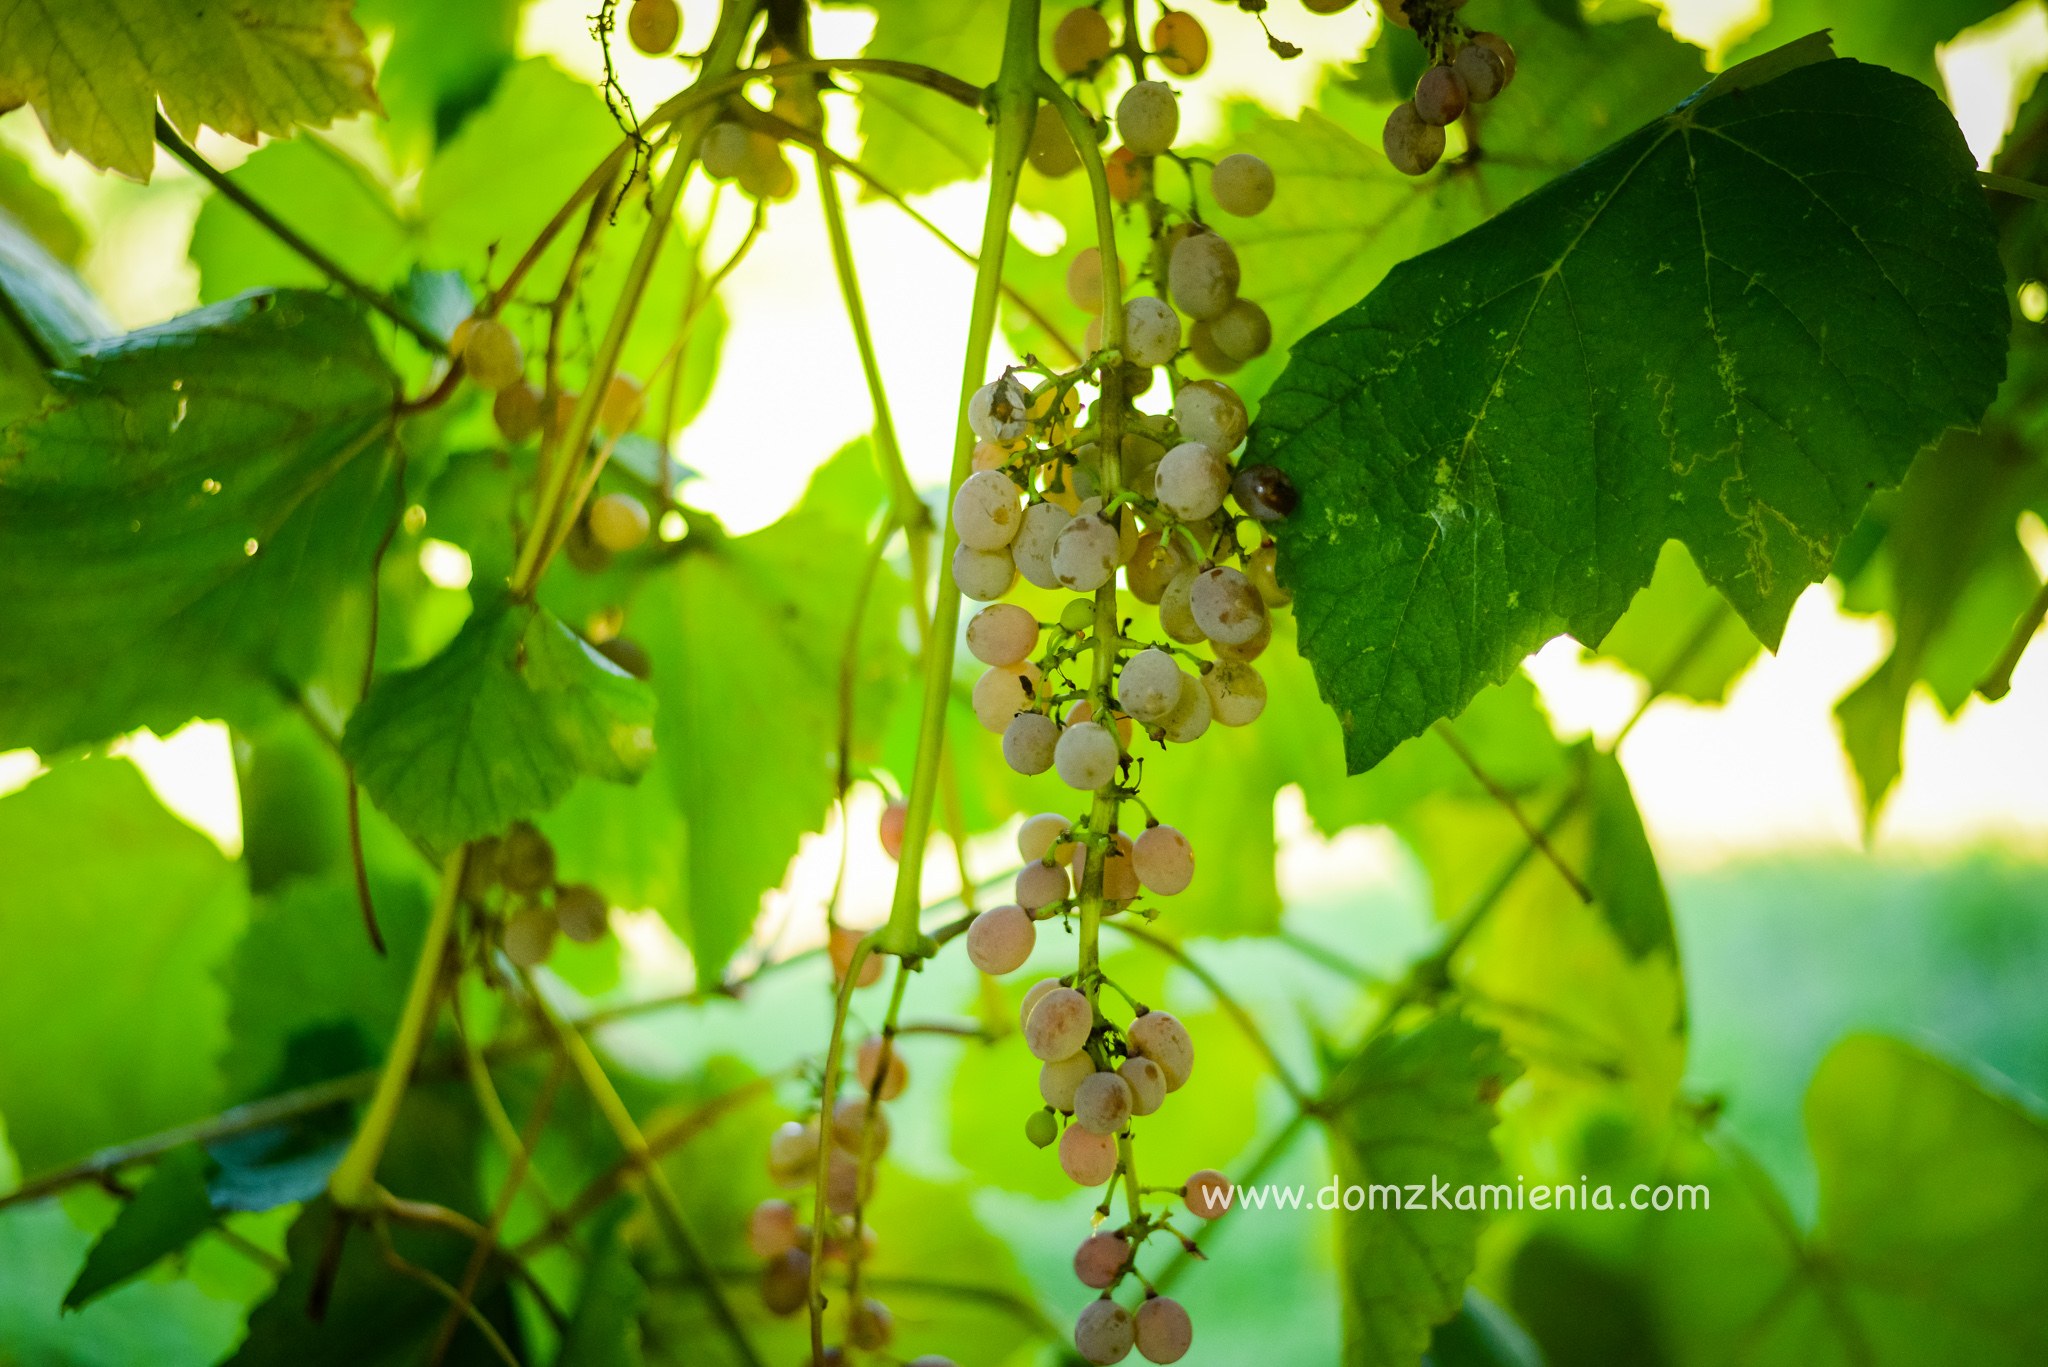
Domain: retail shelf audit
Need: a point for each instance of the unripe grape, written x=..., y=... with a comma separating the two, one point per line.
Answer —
x=1102, y=1103
x=1084, y=276
x=529, y=936
x=793, y=1153
x=771, y=1229
x=1104, y=1332
x=895, y=817
x=1153, y=565
x=724, y=150
x=1037, y=836
x=1032, y=997
x=1052, y=152
x=1164, y=860
x=618, y=522
x=983, y=576
x=1165, y=1041
x=1265, y=493
x=1237, y=695
x=1247, y=651
x=786, y=1282
x=767, y=173
x=1036, y=538
x=1176, y=616
x=1000, y=940
x=1059, y=1025
x=1087, y=1158
x=867, y=1066
x=1086, y=756
x=654, y=25
x=1003, y=691
x=1129, y=177
x=1262, y=567
x=1480, y=73
x=1202, y=275
x=1119, y=879
x=1207, y=1194
x=870, y=1327
x=840, y=946
x=1162, y=1330
x=1412, y=144
x=490, y=351
x=1101, y=1259
x=1440, y=96
x=1061, y=1079
x=1501, y=48
x=516, y=411
x=1192, y=481
x=1242, y=331
x=1147, y=1081
x=1041, y=1128
x=1190, y=716
x=1151, y=331
x=1085, y=554
x=1180, y=43
x=624, y=401
x=1147, y=118
x=1226, y=606
x=1209, y=411
x=526, y=861
x=1078, y=616
x=1081, y=41
x=999, y=410
x=583, y=913
x=1040, y=884
x=987, y=511
x=1149, y=686
x=1241, y=184
x=848, y=1182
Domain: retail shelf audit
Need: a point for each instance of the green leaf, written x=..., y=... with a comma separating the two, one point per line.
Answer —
x=1679, y=634
x=169, y=1211
x=914, y=139
x=317, y=189
x=1481, y=1334
x=46, y=313
x=747, y=635
x=94, y=73
x=1727, y=329
x=1900, y=34
x=1417, y=1107
x=444, y=62
x=115, y=914
x=176, y=527
x=497, y=727
x=39, y=210
x=604, y=1329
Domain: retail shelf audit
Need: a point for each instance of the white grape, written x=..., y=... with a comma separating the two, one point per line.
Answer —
x=1029, y=741
x=1086, y=756
x=771, y=1229
x=1191, y=716
x=1242, y=332
x=1102, y=1103
x=1104, y=1332
x=1151, y=331
x=1210, y=412
x=1060, y=1024
x=987, y=511
x=1165, y=1041
x=1000, y=940
x=1412, y=144
x=1149, y=686
x=1164, y=860
x=725, y=151
x=1202, y=275
x=1148, y=117
x=1101, y=1259
x=1040, y=884
x=1192, y=481
x=1032, y=997
x=1059, y=1080
x=859, y=1127
x=1084, y=555
x=1003, y=691
x=867, y=1066
x=983, y=576
x=1237, y=695
x=793, y=1154
x=1043, y=523
x=1038, y=834
x=1246, y=651
x=1153, y=565
x=1207, y=1194
x=1176, y=613
x=1087, y=1158
x=1162, y=1330
x=1226, y=606
x=998, y=411
x=1241, y=184
x=1147, y=1081
x=1003, y=634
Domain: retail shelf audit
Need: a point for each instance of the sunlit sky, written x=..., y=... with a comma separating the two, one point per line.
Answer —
x=1763, y=773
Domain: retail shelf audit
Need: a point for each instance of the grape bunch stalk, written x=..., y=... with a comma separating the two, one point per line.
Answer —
x=1467, y=68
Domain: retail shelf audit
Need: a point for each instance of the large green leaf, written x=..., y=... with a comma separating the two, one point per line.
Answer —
x=1901, y=34
x=1729, y=328
x=445, y=61
x=1417, y=1109
x=497, y=727
x=176, y=526
x=915, y=139
x=168, y=1211
x=316, y=188
x=46, y=313
x=115, y=915
x=94, y=73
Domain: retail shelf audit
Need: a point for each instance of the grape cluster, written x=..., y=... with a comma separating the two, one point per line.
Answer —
x=1467, y=68
x=513, y=876
x=750, y=157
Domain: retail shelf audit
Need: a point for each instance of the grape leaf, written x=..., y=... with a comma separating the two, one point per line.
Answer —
x=115, y=912
x=1679, y=635
x=316, y=188
x=914, y=139
x=94, y=73
x=497, y=727
x=39, y=210
x=1728, y=328
x=168, y=1211
x=1482, y=1335
x=46, y=314
x=1900, y=34
x=1416, y=1107
x=444, y=62
x=177, y=523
